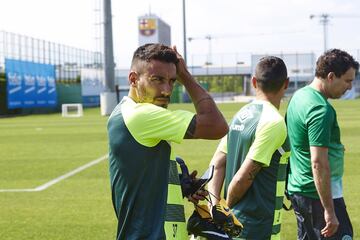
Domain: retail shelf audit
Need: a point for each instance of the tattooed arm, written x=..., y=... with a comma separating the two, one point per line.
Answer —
x=242, y=180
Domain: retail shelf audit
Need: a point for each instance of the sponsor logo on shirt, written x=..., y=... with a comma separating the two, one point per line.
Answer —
x=174, y=230
x=244, y=114
x=237, y=127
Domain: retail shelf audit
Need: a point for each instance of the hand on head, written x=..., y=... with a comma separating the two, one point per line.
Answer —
x=181, y=68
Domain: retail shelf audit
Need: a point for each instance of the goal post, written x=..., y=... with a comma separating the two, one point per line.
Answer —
x=72, y=110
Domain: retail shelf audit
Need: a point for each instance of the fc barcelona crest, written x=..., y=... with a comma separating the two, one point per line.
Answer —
x=147, y=27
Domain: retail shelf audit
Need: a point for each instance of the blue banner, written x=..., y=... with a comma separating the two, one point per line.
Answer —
x=30, y=84
x=91, y=86
x=29, y=87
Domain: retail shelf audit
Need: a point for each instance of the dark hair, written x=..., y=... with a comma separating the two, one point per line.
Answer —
x=336, y=61
x=154, y=51
x=270, y=73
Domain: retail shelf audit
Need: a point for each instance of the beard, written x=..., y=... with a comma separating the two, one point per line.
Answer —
x=145, y=96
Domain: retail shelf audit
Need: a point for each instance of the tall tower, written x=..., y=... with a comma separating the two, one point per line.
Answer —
x=153, y=29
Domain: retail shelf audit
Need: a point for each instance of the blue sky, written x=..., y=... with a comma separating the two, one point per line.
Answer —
x=237, y=27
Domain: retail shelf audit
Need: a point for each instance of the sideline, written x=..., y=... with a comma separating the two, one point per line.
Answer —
x=58, y=179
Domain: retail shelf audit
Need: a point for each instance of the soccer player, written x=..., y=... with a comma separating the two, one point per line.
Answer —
x=141, y=130
x=317, y=154
x=252, y=158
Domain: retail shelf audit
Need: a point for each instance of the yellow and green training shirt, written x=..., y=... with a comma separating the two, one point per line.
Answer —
x=258, y=132
x=139, y=161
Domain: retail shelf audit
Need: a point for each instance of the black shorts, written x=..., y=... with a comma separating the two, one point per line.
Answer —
x=310, y=218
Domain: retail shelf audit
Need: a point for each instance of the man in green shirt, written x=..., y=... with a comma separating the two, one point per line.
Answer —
x=140, y=132
x=252, y=158
x=317, y=154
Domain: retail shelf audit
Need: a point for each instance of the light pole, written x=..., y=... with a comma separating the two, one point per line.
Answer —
x=209, y=61
x=184, y=30
x=239, y=64
x=209, y=38
x=108, y=96
x=324, y=20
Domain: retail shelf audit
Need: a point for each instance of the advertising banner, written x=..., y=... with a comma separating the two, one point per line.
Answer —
x=30, y=84
x=91, y=86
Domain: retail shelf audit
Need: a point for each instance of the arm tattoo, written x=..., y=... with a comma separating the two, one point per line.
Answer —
x=255, y=169
x=203, y=99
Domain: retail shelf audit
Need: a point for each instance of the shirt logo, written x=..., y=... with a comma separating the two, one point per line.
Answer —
x=174, y=230
x=237, y=127
x=244, y=114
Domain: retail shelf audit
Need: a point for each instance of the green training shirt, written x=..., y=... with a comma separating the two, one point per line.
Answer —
x=139, y=160
x=258, y=132
x=311, y=121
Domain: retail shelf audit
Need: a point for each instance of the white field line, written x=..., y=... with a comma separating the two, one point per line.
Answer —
x=58, y=179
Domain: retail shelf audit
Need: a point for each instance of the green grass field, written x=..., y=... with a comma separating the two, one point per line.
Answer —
x=37, y=149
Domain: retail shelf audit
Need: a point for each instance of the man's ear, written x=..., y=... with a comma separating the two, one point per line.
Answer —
x=253, y=81
x=331, y=76
x=133, y=78
x=286, y=83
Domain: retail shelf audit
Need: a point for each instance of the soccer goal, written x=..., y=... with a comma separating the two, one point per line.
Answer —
x=72, y=110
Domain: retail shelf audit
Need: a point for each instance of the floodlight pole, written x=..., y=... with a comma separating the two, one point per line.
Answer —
x=108, y=96
x=184, y=30
x=109, y=64
x=324, y=20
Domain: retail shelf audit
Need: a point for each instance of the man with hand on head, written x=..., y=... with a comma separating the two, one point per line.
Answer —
x=140, y=131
